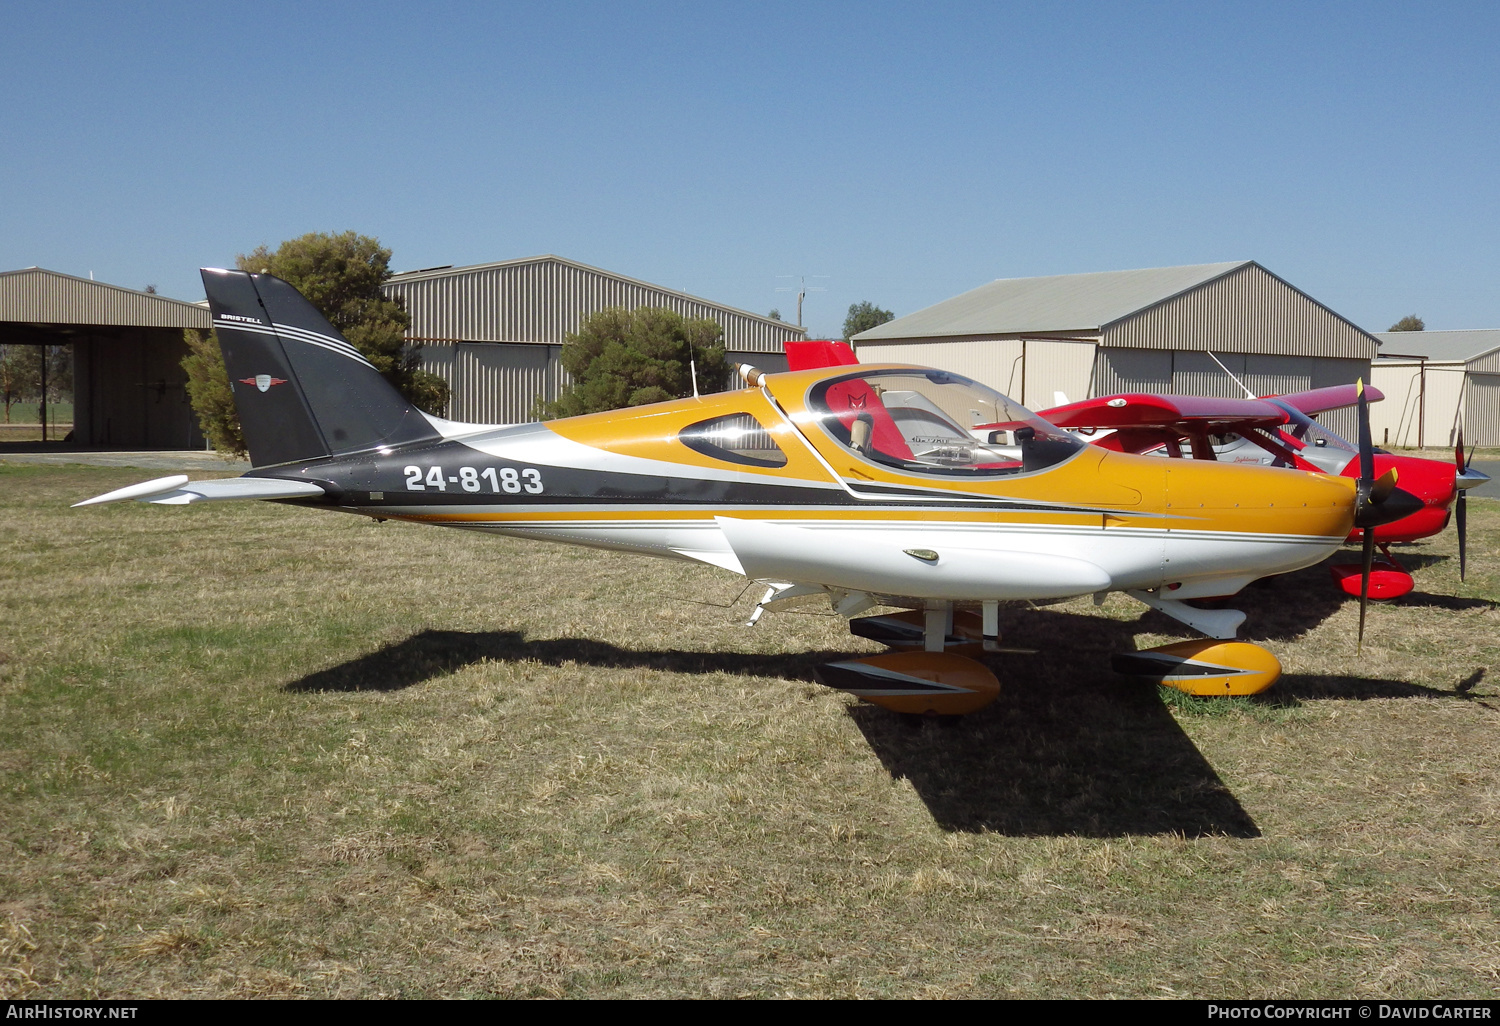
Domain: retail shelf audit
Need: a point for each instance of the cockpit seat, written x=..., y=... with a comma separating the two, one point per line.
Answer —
x=854, y=400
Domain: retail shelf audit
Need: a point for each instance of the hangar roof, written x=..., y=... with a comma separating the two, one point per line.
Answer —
x=449, y=271
x=541, y=299
x=1447, y=346
x=1063, y=302
x=34, y=295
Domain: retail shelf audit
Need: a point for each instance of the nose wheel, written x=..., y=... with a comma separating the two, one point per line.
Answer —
x=1388, y=578
x=1206, y=667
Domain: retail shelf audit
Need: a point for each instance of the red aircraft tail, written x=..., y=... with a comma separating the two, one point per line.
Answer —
x=815, y=353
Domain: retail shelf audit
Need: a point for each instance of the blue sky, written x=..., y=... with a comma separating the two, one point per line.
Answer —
x=899, y=153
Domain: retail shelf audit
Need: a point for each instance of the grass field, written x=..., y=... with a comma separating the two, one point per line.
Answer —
x=24, y=425
x=28, y=413
x=253, y=750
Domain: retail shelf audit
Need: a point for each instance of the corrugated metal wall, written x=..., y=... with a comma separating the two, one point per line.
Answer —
x=1445, y=404
x=46, y=297
x=1247, y=311
x=1482, y=410
x=1051, y=367
x=1393, y=420
x=993, y=362
x=494, y=383
x=541, y=301
x=1195, y=373
x=1132, y=370
x=499, y=383
x=129, y=390
x=1456, y=397
x=1487, y=364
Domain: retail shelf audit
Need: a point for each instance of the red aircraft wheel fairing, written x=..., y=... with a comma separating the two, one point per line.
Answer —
x=922, y=683
x=1205, y=667
x=1386, y=582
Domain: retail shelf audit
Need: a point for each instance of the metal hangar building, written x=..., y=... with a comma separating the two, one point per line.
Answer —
x=495, y=331
x=1436, y=383
x=1148, y=330
x=128, y=383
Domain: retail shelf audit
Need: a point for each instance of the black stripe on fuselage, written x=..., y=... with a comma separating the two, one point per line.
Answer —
x=375, y=479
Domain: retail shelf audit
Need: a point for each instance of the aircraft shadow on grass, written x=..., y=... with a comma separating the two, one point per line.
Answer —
x=1069, y=749
x=1062, y=752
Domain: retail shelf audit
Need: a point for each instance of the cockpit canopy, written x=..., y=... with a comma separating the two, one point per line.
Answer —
x=936, y=422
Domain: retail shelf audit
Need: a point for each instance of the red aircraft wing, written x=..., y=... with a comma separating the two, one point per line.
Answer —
x=1334, y=397
x=1143, y=421
x=1188, y=413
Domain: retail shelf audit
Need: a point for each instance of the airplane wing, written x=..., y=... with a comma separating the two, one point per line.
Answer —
x=177, y=491
x=1334, y=397
x=1191, y=414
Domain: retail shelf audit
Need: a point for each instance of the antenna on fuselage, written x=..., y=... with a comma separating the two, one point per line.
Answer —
x=1248, y=394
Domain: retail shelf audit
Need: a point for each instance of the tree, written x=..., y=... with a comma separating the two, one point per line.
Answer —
x=342, y=276
x=59, y=372
x=209, y=392
x=775, y=315
x=1411, y=322
x=20, y=374
x=864, y=316
x=622, y=357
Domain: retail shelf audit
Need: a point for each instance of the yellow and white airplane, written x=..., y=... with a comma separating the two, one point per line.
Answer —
x=876, y=485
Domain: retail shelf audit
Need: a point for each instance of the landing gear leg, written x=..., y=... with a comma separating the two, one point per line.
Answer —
x=991, y=615
x=937, y=625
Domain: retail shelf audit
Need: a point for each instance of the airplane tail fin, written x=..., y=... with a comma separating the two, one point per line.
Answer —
x=302, y=391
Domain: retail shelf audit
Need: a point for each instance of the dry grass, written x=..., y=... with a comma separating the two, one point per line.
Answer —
x=259, y=751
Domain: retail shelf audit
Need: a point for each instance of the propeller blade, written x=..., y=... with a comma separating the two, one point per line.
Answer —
x=1383, y=488
x=1364, y=585
x=1461, y=506
x=1460, y=514
x=1366, y=447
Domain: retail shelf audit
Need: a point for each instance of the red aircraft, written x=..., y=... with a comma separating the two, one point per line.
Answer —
x=1279, y=431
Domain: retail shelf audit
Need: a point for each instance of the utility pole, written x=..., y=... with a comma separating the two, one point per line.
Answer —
x=802, y=288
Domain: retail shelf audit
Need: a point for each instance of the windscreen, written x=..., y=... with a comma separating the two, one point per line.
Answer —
x=1315, y=443
x=934, y=422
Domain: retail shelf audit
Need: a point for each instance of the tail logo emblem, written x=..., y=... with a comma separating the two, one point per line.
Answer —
x=263, y=381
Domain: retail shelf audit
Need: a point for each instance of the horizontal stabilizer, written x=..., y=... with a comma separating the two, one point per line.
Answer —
x=239, y=488
x=176, y=491
x=157, y=486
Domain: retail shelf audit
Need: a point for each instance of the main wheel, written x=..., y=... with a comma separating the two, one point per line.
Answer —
x=921, y=683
